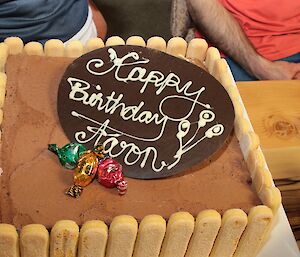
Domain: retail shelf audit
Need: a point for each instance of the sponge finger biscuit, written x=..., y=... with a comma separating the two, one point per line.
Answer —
x=249, y=142
x=3, y=79
x=207, y=225
x=122, y=235
x=271, y=197
x=179, y=231
x=262, y=178
x=212, y=55
x=150, y=236
x=114, y=41
x=1, y=120
x=34, y=241
x=234, y=222
x=255, y=160
x=157, y=43
x=64, y=238
x=177, y=47
x=3, y=55
x=259, y=221
x=220, y=68
x=241, y=126
x=15, y=45
x=92, y=239
x=135, y=40
x=93, y=44
x=74, y=49
x=54, y=48
x=197, y=48
x=34, y=48
x=9, y=241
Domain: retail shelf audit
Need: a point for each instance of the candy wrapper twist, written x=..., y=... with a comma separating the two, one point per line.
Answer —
x=87, y=164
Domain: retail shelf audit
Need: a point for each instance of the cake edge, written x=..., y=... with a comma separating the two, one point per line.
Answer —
x=198, y=50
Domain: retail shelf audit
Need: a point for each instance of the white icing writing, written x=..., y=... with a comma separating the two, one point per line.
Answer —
x=113, y=104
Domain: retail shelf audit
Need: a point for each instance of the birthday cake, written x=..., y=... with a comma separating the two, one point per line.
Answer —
x=180, y=135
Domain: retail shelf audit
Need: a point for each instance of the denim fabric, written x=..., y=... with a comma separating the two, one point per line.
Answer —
x=40, y=20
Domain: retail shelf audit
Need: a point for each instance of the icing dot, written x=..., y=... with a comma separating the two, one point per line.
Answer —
x=73, y=113
x=216, y=129
x=98, y=87
x=206, y=116
x=185, y=125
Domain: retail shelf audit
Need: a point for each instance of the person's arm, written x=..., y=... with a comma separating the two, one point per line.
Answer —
x=98, y=20
x=223, y=30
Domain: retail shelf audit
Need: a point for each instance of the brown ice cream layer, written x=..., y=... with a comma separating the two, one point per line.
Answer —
x=34, y=182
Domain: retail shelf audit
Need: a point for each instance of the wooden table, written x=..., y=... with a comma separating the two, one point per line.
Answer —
x=274, y=110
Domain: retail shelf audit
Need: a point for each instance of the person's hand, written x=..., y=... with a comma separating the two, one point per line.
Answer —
x=297, y=76
x=279, y=70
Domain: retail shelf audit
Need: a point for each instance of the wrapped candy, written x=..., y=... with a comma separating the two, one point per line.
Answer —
x=69, y=154
x=87, y=164
x=86, y=169
x=84, y=173
x=110, y=175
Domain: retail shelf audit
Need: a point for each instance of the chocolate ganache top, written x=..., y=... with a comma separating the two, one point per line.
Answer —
x=154, y=113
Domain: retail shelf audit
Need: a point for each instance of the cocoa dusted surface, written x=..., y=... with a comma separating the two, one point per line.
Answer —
x=34, y=182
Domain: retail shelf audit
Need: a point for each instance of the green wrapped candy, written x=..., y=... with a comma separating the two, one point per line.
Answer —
x=69, y=154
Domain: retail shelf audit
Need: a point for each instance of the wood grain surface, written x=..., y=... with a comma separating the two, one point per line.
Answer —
x=274, y=111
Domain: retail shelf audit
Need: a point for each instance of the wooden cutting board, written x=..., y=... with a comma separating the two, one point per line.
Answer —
x=274, y=110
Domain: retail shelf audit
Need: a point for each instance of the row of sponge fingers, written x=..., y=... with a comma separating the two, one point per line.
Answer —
x=262, y=180
x=235, y=234
x=176, y=46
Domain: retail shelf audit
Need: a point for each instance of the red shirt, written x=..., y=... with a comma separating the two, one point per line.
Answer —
x=273, y=26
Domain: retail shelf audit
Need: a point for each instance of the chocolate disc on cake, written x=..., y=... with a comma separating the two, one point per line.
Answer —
x=154, y=113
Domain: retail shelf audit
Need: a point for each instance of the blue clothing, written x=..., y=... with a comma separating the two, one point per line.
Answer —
x=40, y=20
x=240, y=74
